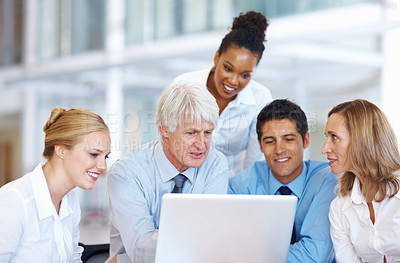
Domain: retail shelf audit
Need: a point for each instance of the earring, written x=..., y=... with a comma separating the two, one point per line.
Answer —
x=62, y=157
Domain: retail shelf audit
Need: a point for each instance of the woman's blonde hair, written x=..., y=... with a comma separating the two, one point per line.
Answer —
x=65, y=127
x=373, y=150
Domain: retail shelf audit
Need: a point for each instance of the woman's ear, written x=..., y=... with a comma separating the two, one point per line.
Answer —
x=216, y=58
x=59, y=150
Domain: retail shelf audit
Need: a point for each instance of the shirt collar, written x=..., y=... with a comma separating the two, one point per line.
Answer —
x=296, y=186
x=41, y=193
x=42, y=196
x=166, y=168
x=398, y=194
x=356, y=194
x=66, y=207
x=246, y=96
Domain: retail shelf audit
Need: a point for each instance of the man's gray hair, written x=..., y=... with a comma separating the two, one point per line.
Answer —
x=181, y=100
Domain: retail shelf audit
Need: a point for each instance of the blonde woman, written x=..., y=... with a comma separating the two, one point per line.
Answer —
x=40, y=211
x=365, y=217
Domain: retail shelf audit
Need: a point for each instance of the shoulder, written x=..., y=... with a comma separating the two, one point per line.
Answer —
x=320, y=177
x=215, y=157
x=320, y=170
x=198, y=75
x=138, y=154
x=255, y=95
x=20, y=188
x=259, y=90
x=139, y=158
x=397, y=195
x=13, y=194
x=18, y=193
x=259, y=168
x=339, y=203
x=249, y=176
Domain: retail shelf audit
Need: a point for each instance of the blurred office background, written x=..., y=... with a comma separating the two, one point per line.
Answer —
x=115, y=56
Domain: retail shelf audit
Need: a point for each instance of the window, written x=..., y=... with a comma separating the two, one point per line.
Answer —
x=11, y=32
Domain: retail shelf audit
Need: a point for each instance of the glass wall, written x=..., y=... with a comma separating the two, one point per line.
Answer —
x=165, y=17
x=88, y=21
x=157, y=19
x=11, y=32
x=275, y=8
x=137, y=20
x=62, y=92
x=311, y=5
x=49, y=34
x=139, y=118
x=67, y=27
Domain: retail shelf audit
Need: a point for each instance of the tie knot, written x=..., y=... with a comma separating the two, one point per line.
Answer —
x=284, y=190
x=179, y=181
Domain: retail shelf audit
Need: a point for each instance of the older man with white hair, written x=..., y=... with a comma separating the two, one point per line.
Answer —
x=181, y=161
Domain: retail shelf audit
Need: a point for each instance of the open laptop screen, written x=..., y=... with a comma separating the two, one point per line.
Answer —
x=225, y=228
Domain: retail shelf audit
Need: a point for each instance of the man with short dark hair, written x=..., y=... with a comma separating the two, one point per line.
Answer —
x=283, y=136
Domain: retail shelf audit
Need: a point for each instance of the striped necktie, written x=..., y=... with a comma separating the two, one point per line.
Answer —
x=179, y=181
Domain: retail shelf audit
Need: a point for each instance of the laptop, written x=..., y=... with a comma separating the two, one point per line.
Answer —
x=199, y=228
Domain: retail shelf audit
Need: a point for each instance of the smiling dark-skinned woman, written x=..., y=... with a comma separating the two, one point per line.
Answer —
x=239, y=98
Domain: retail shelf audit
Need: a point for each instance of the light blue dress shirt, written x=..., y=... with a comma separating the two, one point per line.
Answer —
x=136, y=185
x=235, y=135
x=314, y=188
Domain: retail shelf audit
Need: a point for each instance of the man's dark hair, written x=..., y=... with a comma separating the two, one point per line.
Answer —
x=283, y=109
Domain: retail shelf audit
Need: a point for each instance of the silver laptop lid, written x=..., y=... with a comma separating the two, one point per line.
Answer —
x=225, y=228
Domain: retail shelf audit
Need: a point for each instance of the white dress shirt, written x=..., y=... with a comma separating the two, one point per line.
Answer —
x=30, y=228
x=235, y=135
x=355, y=238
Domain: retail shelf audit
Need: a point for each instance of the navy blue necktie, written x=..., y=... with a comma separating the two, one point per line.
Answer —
x=179, y=181
x=284, y=190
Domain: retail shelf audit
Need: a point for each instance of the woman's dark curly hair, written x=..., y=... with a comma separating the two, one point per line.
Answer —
x=248, y=31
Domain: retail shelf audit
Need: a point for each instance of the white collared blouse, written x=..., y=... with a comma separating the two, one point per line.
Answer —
x=355, y=238
x=30, y=228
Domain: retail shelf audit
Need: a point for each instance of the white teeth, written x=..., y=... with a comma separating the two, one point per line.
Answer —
x=282, y=160
x=93, y=174
x=228, y=88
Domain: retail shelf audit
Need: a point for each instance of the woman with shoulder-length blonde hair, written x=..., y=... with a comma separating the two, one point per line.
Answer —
x=40, y=210
x=365, y=217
